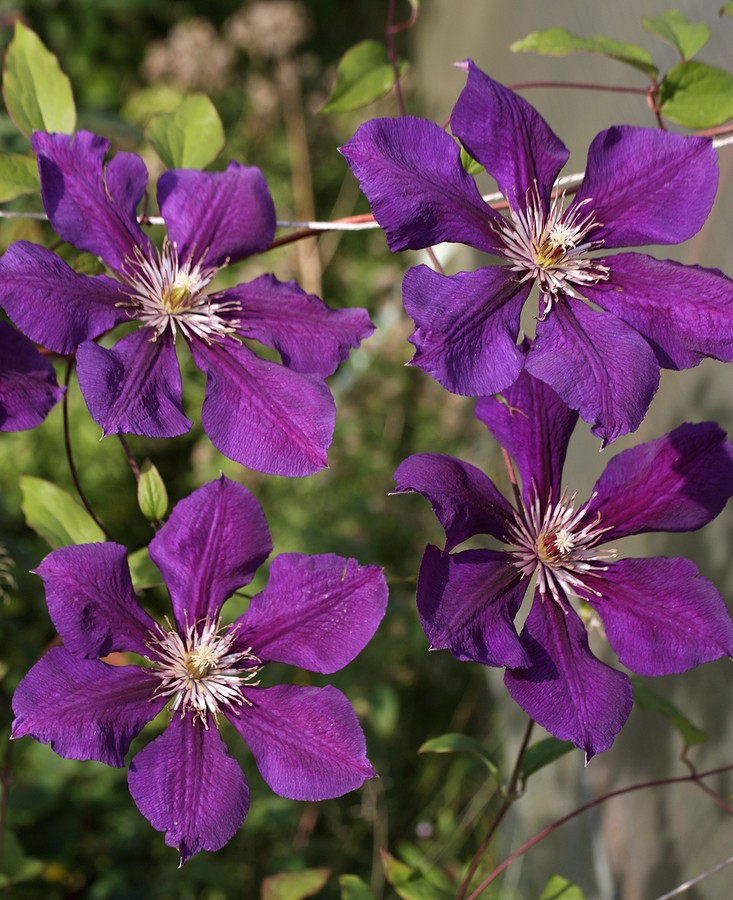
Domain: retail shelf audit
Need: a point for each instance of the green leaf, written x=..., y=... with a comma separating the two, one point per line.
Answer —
x=411, y=884
x=55, y=515
x=353, y=888
x=561, y=42
x=152, y=496
x=37, y=94
x=18, y=176
x=457, y=743
x=364, y=75
x=646, y=699
x=685, y=36
x=697, y=95
x=559, y=888
x=727, y=9
x=144, y=572
x=15, y=866
x=542, y=754
x=190, y=137
x=294, y=885
x=472, y=166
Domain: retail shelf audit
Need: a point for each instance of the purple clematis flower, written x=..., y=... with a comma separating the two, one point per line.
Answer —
x=275, y=418
x=642, y=186
x=28, y=386
x=316, y=612
x=660, y=615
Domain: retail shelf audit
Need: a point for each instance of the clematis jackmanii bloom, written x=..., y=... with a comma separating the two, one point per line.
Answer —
x=275, y=418
x=660, y=615
x=306, y=741
x=642, y=186
x=28, y=386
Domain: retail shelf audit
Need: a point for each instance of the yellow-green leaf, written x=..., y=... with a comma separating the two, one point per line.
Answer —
x=697, y=95
x=559, y=888
x=561, y=42
x=364, y=75
x=18, y=176
x=353, y=888
x=294, y=885
x=55, y=515
x=152, y=497
x=685, y=36
x=190, y=137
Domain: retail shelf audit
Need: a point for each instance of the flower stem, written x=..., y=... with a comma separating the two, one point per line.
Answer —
x=130, y=456
x=578, y=85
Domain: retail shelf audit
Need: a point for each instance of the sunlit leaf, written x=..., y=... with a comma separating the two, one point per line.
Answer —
x=152, y=496
x=685, y=36
x=542, y=754
x=353, y=888
x=559, y=888
x=294, y=885
x=646, y=699
x=364, y=75
x=55, y=515
x=472, y=166
x=190, y=137
x=145, y=574
x=462, y=743
x=561, y=42
x=18, y=176
x=697, y=95
x=727, y=9
x=411, y=884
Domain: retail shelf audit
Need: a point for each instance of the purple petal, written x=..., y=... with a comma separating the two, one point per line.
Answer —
x=135, y=387
x=28, y=386
x=678, y=482
x=647, y=186
x=597, y=365
x=509, y=137
x=217, y=217
x=464, y=500
x=468, y=602
x=309, y=336
x=411, y=173
x=211, y=545
x=685, y=312
x=90, y=206
x=534, y=426
x=84, y=708
x=466, y=327
x=186, y=784
x=51, y=303
x=567, y=690
x=91, y=601
x=661, y=616
x=307, y=741
x=261, y=414
x=317, y=612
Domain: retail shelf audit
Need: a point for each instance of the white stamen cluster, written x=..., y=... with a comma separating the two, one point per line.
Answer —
x=166, y=293
x=201, y=669
x=550, y=248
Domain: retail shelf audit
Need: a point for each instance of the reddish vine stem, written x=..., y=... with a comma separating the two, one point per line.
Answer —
x=130, y=456
x=578, y=85
x=392, y=30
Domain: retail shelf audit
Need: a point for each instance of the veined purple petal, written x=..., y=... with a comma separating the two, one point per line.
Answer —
x=28, y=386
x=90, y=206
x=212, y=544
x=307, y=741
x=217, y=217
x=84, y=708
x=92, y=603
x=509, y=137
x=464, y=500
x=678, y=482
x=566, y=689
x=534, y=426
x=186, y=784
x=597, y=365
x=685, y=312
x=51, y=303
x=317, y=612
x=411, y=173
x=647, y=186
x=466, y=327
x=135, y=387
x=263, y=415
x=661, y=616
x=467, y=604
x=309, y=336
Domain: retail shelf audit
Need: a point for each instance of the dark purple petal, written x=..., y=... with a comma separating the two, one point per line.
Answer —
x=534, y=426
x=263, y=415
x=309, y=336
x=90, y=206
x=186, y=784
x=92, y=603
x=464, y=500
x=466, y=327
x=567, y=690
x=84, y=708
x=685, y=312
x=597, y=365
x=212, y=544
x=509, y=137
x=411, y=173
x=661, y=616
x=135, y=387
x=28, y=386
x=468, y=602
x=217, y=217
x=678, y=482
x=307, y=741
x=647, y=186
x=317, y=612
x=51, y=303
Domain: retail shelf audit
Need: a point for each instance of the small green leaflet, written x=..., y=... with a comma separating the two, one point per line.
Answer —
x=542, y=754
x=646, y=699
x=54, y=514
x=559, y=888
x=18, y=176
x=152, y=497
x=472, y=166
x=685, y=36
x=143, y=571
x=457, y=743
x=353, y=888
x=727, y=9
x=411, y=884
x=190, y=137
x=364, y=75
x=697, y=95
x=294, y=885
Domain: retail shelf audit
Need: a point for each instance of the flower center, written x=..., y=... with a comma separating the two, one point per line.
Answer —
x=167, y=294
x=202, y=669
